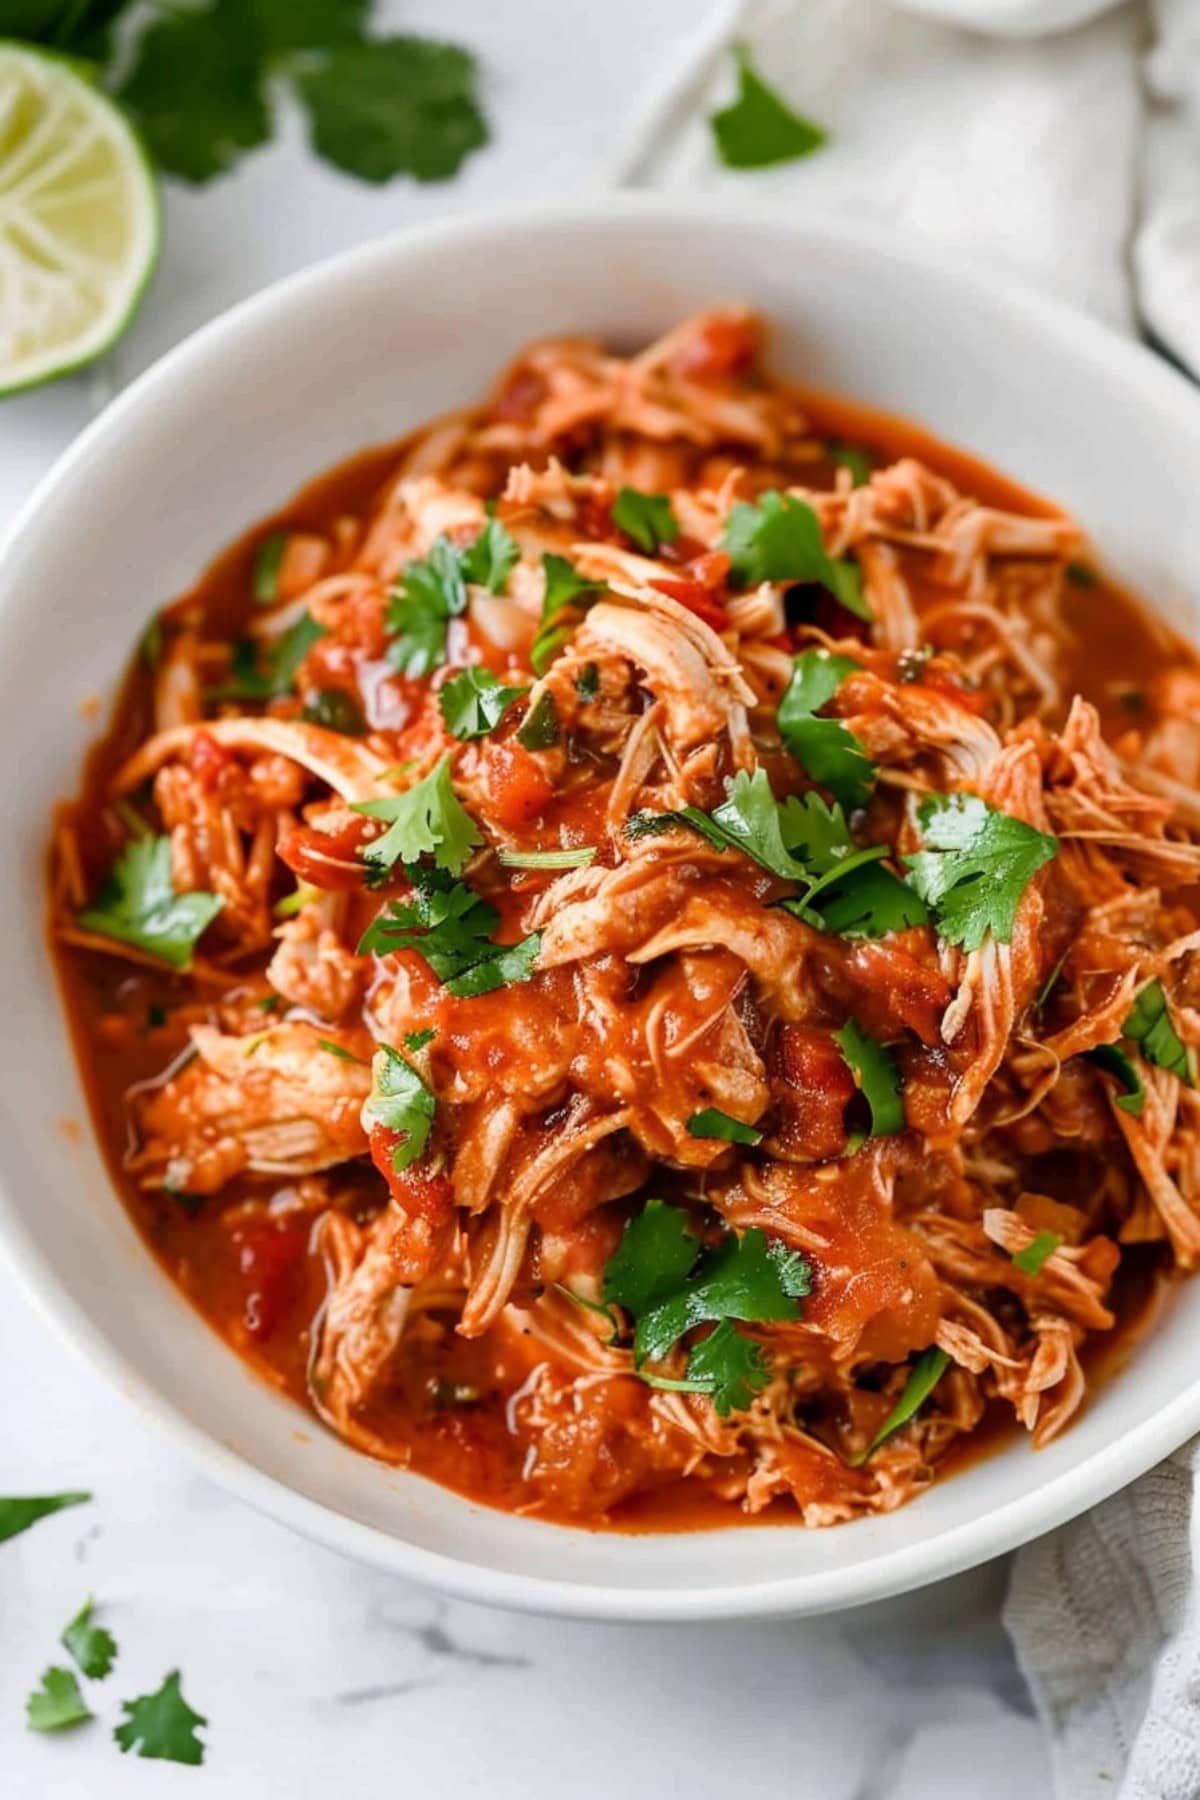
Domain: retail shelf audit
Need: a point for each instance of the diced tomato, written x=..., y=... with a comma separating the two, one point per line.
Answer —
x=209, y=760
x=516, y=787
x=326, y=859
x=419, y=1191
x=697, y=598
x=813, y=1091
x=719, y=347
x=271, y=1256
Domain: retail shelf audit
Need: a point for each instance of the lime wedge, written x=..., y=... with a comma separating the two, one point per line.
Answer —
x=79, y=221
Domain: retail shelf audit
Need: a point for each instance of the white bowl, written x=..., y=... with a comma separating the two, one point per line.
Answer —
x=223, y=430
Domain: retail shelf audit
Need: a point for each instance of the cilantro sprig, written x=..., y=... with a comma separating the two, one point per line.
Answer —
x=267, y=671
x=669, y=1284
x=474, y=702
x=432, y=590
x=711, y=1122
x=758, y=128
x=826, y=748
x=778, y=538
x=975, y=867
x=401, y=1103
x=567, y=596
x=139, y=905
x=451, y=927
x=200, y=82
x=428, y=819
x=57, y=1703
x=646, y=518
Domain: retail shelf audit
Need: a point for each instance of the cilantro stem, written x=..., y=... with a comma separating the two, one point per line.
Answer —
x=872, y=853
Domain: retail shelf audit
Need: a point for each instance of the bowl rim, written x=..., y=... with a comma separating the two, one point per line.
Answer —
x=962, y=1546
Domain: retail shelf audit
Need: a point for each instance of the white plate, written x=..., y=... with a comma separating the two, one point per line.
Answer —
x=221, y=432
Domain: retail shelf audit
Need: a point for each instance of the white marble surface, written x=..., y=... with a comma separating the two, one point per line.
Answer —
x=318, y=1676
x=310, y=1669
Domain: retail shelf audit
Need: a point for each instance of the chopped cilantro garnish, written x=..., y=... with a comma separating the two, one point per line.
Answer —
x=267, y=559
x=451, y=927
x=711, y=1122
x=302, y=895
x=1149, y=1025
x=587, y=683
x=646, y=518
x=427, y=820
x=268, y=671
x=924, y=1376
x=779, y=539
x=759, y=128
x=138, y=905
x=826, y=748
x=875, y=1073
x=200, y=80
x=150, y=644
x=845, y=456
x=162, y=1725
x=869, y=902
x=399, y=1102
x=1113, y=1060
x=566, y=592
x=1082, y=575
x=749, y=819
x=976, y=866
x=539, y=730
x=474, y=702
x=339, y=1050
x=335, y=710
x=656, y=1254
x=417, y=1040
x=94, y=1649
x=57, y=1703
x=1031, y=1259
x=491, y=559
x=660, y=1275
x=430, y=593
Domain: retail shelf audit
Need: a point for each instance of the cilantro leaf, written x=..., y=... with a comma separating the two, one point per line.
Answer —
x=195, y=90
x=826, y=748
x=400, y=1102
x=875, y=1074
x=162, y=1725
x=18, y=1513
x=1149, y=1025
x=430, y=593
x=924, y=1376
x=490, y=560
x=473, y=703
x=847, y=456
x=743, y=1278
x=565, y=591
x=451, y=927
x=394, y=106
x=728, y=1366
x=259, y=671
x=1031, y=1259
x=656, y=1254
x=427, y=820
x=57, y=1703
x=868, y=902
x=417, y=1040
x=138, y=905
x=977, y=865
x=333, y=709
x=759, y=128
x=779, y=539
x=751, y=819
x=291, y=651
x=711, y=1122
x=646, y=518
x=1114, y=1061
x=267, y=559
x=539, y=729
x=93, y=1648
x=283, y=25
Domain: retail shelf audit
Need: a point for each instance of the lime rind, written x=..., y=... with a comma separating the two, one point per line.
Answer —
x=80, y=219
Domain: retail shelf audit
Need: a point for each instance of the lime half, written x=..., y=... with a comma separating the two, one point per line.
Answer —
x=79, y=222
